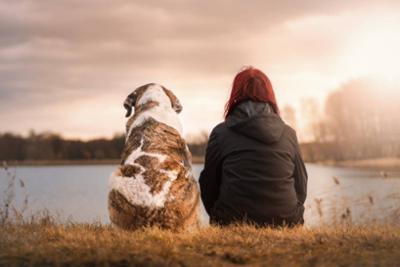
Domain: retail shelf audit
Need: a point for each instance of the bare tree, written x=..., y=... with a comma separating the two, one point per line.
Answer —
x=363, y=119
x=289, y=116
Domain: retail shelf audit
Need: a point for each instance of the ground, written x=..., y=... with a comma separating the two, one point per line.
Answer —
x=47, y=244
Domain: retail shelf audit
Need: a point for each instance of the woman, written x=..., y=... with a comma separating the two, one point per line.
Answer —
x=253, y=169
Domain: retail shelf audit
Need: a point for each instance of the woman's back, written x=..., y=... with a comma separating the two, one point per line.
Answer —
x=253, y=169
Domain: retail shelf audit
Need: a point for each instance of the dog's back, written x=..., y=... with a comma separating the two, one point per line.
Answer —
x=154, y=186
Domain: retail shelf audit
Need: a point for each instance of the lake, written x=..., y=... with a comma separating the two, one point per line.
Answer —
x=79, y=193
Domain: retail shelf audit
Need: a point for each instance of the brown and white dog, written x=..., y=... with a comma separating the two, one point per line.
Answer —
x=154, y=185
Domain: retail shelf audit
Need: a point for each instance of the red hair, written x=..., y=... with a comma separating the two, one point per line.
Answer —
x=252, y=84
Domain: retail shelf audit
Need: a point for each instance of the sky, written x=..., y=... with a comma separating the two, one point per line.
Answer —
x=66, y=66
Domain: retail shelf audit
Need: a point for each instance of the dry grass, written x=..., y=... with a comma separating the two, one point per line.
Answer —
x=87, y=245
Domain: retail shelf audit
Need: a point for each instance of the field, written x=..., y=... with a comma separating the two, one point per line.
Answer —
x=48, y=244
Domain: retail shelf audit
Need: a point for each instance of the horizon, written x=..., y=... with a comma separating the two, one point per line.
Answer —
x=67, y=67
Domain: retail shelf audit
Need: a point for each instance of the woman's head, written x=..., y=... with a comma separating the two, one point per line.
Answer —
x=251, y=84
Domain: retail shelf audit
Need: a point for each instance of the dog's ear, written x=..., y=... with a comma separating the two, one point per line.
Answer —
x=130, y=102
x=175, y=103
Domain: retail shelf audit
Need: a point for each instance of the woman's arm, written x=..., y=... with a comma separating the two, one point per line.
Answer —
x=210, y=177
x=300, y=176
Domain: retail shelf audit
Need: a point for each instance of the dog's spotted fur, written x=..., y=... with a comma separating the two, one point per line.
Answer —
x=153, y=185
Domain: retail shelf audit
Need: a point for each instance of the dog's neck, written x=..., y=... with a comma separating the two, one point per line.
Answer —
x=153, y=109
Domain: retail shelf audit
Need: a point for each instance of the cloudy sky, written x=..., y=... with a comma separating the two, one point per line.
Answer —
x=66, y=66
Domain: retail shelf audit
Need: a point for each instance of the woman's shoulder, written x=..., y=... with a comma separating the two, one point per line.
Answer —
x=219, y=128
x=289, y=130
x=291, y=135
x=219, y=133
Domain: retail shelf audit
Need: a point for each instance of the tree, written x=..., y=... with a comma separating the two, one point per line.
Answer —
x=363, y=119
x=289, y=116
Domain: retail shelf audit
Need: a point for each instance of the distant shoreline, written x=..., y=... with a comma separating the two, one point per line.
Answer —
x=380, y=164
x=62, y=162
x=195, y=160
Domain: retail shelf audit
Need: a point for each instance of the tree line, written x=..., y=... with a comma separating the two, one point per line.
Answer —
x=51, y=146
x=360, y=120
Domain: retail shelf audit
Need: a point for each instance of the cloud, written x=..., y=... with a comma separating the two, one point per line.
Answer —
x=54, y=53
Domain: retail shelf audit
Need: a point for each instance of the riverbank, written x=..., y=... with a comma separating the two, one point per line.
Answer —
x=62, y=162
x=195, y=160
x=379, y=164
x=89, y=245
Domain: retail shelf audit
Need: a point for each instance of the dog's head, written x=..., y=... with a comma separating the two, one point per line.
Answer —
x=151, y=93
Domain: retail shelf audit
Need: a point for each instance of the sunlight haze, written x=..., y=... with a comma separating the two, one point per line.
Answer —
x=67, y=67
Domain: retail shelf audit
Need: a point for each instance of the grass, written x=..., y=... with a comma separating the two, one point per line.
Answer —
x=48, y=244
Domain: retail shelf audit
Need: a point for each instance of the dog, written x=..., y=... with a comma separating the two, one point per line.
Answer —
x=154, y=185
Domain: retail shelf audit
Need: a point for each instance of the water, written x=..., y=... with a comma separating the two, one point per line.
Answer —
x=79, y=193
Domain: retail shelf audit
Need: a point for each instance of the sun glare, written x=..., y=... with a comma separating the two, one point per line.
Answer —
x=374, y=52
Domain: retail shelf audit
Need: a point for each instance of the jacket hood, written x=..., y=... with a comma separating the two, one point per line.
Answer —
x=256, y=120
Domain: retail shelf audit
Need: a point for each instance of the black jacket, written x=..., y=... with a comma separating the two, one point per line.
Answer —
x=253, y=169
